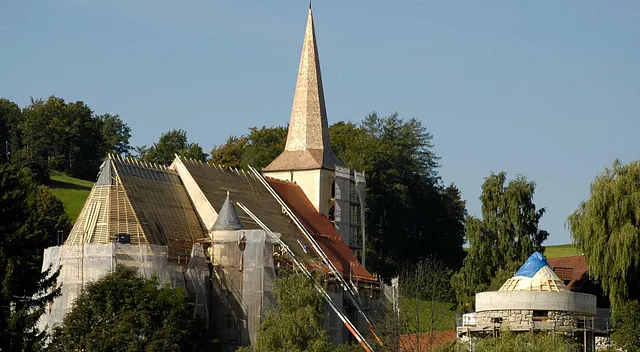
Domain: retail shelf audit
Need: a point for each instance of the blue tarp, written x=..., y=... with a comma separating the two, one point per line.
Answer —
x=535, y=262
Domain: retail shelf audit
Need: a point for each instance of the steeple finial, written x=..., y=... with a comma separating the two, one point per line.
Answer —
x=308, y=146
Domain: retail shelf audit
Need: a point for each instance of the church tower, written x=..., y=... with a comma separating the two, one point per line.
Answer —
x=308, y=159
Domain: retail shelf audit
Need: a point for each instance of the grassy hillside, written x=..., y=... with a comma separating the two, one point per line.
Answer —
x=443, y=318
x=72, y=191
x=561, y=250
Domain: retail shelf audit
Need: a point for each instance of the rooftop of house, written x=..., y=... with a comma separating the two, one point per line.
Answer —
x=572, y=270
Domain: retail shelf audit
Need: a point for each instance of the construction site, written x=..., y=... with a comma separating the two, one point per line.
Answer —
x=535, y=299
x=223, y=234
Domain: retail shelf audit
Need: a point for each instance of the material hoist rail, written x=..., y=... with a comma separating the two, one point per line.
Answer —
x=352, y=295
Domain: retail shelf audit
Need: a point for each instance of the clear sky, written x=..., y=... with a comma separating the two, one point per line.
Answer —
x=547, y=89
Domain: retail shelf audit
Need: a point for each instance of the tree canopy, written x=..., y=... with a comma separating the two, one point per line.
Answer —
x=57, y=135
x=258, y=148
x=296, y=323
x=607, y=229
x=410, y=213
x=31, y=217
x=171, y=143
x=123, y=311
x=503, y=239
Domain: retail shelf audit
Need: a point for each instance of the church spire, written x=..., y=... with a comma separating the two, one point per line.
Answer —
x=308, y=146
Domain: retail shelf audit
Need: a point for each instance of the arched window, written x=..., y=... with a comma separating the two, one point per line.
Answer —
x=332, y=213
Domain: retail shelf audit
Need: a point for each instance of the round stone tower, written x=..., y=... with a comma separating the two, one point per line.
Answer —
x=534, y=299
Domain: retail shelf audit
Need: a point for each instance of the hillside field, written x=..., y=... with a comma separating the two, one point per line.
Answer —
x=72, y=192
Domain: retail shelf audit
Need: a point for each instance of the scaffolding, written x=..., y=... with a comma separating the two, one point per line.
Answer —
x=243, y=279
x=80, y=265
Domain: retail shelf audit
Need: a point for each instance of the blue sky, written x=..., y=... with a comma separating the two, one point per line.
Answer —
x=547, y=89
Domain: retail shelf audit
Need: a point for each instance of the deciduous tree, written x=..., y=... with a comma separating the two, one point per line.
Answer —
x=123, y=311
x=503, y=239
x=115, y=134
x=296, y=324
x=171, y=143
x=607, y=229
x=258, y=148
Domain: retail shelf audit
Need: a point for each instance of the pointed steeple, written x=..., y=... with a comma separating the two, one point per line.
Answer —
x=308, y=146
x=227, y=217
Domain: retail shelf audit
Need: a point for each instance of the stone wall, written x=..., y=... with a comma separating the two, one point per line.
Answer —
x=527, y=319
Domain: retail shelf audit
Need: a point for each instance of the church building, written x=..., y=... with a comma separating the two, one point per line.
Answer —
x=182, y=222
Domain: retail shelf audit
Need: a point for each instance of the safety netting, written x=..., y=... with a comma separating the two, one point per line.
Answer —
x=243, y=284
x=80, y=265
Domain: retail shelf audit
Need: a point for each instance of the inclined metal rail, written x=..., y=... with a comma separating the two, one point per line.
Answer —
x=352, y=295
x=341, y=315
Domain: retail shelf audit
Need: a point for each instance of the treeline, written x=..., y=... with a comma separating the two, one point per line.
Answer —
x=54, y=135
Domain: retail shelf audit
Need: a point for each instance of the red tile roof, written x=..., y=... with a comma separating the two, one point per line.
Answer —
x=573, y=269
x=426, y=340
x=322, y=230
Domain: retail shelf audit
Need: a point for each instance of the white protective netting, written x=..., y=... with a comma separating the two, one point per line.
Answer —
x=82, y=264
x=243, y=284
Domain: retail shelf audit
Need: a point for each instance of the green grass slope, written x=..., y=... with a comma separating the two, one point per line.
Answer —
x=72, y=192
x=561, y=250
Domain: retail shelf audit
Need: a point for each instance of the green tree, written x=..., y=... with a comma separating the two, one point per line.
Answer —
x=503, y=239
x=410, y=214
x=63, y=135
x=115, y=134
x=171, y=143
x=10, y=116
x=607, y=229
x=295, y=325
x=31, y=217
x=123, y=311
x=259, y=148
x=626, y=322
x=512, y=342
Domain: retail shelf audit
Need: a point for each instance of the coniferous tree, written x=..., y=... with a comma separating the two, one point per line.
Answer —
x=30, y=219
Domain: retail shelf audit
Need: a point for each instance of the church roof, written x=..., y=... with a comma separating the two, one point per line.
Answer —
x=227, y=217
x=308, y=145
x=214, y=182
x=535, y=275
x=147, y=202
x=323, y=231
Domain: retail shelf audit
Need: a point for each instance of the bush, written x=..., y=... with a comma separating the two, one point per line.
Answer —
x=509, y=342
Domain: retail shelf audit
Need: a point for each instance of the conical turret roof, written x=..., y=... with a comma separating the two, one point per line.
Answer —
x=227, y=217
x=535, y=275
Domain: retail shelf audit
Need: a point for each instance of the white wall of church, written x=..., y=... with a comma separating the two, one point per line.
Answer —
x=205, y=210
